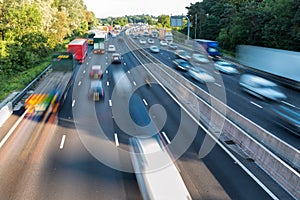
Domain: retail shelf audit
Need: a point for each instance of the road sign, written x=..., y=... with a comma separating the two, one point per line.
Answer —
x=176, y=20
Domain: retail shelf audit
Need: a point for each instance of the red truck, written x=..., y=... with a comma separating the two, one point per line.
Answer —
x=79, y=47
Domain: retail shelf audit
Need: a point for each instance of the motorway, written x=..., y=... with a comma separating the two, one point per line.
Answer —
x=83, y=152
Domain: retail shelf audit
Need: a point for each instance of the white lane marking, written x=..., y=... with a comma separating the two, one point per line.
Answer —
x=116, y=139
x=145, y=102
x=106, y=57
x=166, y=137
x=106, y=72
x=110, y=103
x=288, y=104
x=87, y=63
x=106, y=63
x=217, y=84
x=256, y=104
x=128, y=72
x=73, y=103
x=90, y=57
x=169, y=58
x=107, y=83
x=134, y=83
x=79, y=83
x=84, y=71
x=62, y=142
x=12, y=129
x=124, y=63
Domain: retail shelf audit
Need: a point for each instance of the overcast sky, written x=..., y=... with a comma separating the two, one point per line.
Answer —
x=118, y=8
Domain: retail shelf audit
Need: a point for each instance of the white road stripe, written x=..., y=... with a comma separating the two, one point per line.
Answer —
x=12, y=129
x=62, y=142
x=106, y=63
x=87, y=63
x=107, y=83
x=128, y=72
x=134, y=83
x=106, y=57
x=169, y=58
x=145, y=102
x=106, y=72
x=73, y=103
x=84, y=71
x=110, y=103
x=90, y=57
x=166, y=137
x=116, y=139
x=79, y=83
x=124, y=63
x=256, y=104
x=288, y=104
x=217, y=84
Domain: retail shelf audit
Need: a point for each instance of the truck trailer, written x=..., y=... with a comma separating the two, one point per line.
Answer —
x=99, y=44
x=79, y=47
x=210, y=46
x=51, y=92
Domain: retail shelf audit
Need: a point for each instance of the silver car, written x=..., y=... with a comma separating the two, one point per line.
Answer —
x=261, y=88
x=201, y=75
x=226, y=67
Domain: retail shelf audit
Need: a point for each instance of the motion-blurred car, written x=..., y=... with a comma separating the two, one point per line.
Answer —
x=96, y=72
x=111, y=48
x=96, y=90
x=261, y=88
x=172, y=46
x=163, y=43
x=142, y=41
x=201, y=75
x=116, y=58
x=182, y=54
x=154, y=49
x=182, y=64
x=150, y=41
x=226, y=67
x=199, y=58
x=287, y=117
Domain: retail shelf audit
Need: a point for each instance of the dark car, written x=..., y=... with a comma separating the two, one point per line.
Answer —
x=96, y=90
x=182, y=64
x=116, y=58
x=287, y=117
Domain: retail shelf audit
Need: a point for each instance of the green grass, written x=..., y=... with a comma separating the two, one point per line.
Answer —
x=19, y=81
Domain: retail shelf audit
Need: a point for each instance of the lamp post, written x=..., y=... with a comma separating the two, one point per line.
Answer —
x=188, y=25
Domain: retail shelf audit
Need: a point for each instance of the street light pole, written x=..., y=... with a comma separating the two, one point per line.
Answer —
x=188, y=25
x=195, y=27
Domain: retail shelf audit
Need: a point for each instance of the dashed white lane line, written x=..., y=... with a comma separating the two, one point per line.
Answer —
x=73, y=103
x=128, y=72
x=79, y=83
x=12, y=129
x=217, y=84
x=106, y=57
x=87, y=63
x=169, y=58
x=106, y=63
x=107, y=83
x=288, y=104
x=84, y=71
x=62, y=142
x=116, y=139
x=145, y=102
x=90, y=57
x=106, y=72
x=124, y=63
x=110, y=103
x=134, y=83
x=166, y=137
x=256, y=104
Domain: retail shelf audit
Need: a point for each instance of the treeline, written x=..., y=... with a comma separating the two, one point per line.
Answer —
x=32, y=29
x=269, y=23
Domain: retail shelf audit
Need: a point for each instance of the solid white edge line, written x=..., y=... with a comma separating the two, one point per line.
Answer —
x=12, y=129
x=145, y=102
x=110, y=102
x=116, y=139
x=256, y=104
x=166, y=137
x=217, y=141
x=73, y=103
x=288, y=104
x=62, y=142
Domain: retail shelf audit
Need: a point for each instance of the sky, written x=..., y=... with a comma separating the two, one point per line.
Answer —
x=119, y=8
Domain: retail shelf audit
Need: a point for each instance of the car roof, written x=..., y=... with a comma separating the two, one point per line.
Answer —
x=96, y=67
x=258, y=79
x=96, y=83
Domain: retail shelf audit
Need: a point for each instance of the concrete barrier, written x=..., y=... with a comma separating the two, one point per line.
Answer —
x=5, y=113
x=254, y=140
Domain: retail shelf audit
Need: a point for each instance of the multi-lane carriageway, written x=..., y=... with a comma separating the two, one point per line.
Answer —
x=62, y=158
